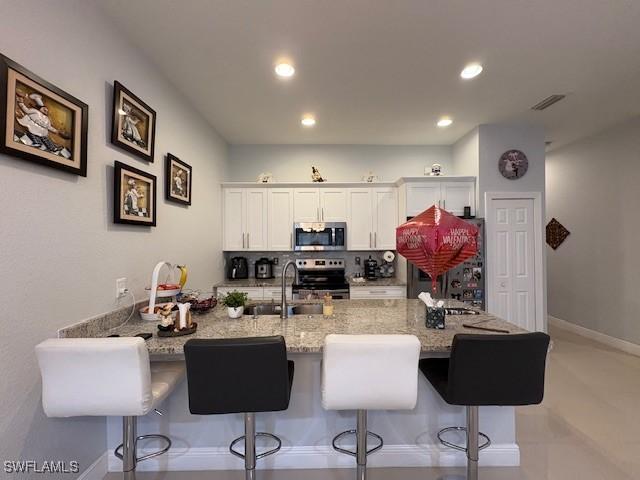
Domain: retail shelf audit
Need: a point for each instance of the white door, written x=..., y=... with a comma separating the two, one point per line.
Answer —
x=256, y=219
x=306, y=205
x=233, y=199
x=422, y=196
x=512, y=275
x=457, y=195
x=360, y=219
x=385, y=219
x=280, y=219
x=333, y=205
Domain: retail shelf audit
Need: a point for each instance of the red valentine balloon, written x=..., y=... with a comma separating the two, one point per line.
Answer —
x=435, y=241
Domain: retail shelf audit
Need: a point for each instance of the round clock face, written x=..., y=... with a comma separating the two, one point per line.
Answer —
x=513, y=164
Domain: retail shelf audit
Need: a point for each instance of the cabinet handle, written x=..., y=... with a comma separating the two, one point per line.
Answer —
x=370, y=241
x=375, y=239
x=243, y=240
x=247, y=240
x=318, y=213
x=323, y=214
x=444, y=203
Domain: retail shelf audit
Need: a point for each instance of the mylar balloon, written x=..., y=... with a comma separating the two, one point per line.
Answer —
x=435, y=241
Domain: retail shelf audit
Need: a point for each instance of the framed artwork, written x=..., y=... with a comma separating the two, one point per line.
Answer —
x=134, y=196
x=41, y=123
x=134, y=123
x=178, y=180
x=513, y=164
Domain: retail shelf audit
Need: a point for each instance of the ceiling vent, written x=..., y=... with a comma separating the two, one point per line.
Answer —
x=547, y=102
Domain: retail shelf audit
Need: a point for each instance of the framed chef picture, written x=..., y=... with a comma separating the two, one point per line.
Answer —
x=133, y=125
x=41, y=123
x=178, y=180
x=134, y=196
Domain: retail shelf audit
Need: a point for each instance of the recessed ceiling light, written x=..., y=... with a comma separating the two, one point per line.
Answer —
x=284, y=70
x=470, y=71
x=444, y=122
x=308, y=120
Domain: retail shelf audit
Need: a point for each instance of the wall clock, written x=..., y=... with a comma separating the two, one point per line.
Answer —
x=513, y=164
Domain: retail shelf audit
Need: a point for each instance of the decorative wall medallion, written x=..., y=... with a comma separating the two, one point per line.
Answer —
x=556, y=233
x=513, y=164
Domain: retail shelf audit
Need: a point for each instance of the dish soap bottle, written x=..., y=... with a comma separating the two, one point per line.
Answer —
x=327, y=306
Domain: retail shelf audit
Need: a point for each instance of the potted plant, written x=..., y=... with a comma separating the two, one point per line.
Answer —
x=235, y=302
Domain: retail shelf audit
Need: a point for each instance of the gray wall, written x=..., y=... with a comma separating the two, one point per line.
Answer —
x=337, y=163
x=592, y=189
x=60, y=253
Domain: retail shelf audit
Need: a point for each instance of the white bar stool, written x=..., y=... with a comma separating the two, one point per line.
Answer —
x=369, y=372
x=106, y=377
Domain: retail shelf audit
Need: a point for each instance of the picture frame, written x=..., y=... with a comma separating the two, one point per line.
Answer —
x=133, y=125
x=40, y=122
x=178, y=180
x=134, y=196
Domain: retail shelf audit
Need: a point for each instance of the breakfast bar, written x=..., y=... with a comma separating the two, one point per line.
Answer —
x=306, y=429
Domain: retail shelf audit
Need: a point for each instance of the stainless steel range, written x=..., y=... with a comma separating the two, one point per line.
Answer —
x=319, y=276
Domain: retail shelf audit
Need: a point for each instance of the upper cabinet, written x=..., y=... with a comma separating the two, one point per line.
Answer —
x=245, y=219
x=448, y=195
x=372, y=218
x=320, y=205
x=280, y=216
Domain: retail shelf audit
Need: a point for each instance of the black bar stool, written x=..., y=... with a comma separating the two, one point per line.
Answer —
x=488, y=370
x=240, y=375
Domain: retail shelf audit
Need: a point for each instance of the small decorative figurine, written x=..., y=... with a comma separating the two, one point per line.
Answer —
x=265, y=177
x=436, y=170
x=370, y=177
x=315, y=175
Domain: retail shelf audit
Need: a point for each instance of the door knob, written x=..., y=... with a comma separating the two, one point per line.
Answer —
x=503, y=284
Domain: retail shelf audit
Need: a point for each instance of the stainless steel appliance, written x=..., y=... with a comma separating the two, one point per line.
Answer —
x=238, y=268
x=264, y=268
x=466, y=282
x=319, y=236
x=319, y=276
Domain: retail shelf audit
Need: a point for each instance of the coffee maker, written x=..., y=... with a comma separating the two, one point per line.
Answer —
x=238, y=268
x=370, y=267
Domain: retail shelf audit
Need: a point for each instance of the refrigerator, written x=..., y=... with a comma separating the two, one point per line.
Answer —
x=466, y=282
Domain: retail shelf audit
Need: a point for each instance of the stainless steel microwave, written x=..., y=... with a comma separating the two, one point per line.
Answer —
x=319, y=236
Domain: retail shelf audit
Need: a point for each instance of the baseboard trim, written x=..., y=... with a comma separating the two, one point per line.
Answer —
x=321, y=457
x=608, y=340
x=98, y=469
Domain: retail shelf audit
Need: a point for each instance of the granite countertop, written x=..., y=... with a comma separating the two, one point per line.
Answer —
x=305, y=333
x=252, y=282
x=379, y=282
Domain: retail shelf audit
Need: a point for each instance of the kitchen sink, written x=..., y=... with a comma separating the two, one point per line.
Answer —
x=273, y=309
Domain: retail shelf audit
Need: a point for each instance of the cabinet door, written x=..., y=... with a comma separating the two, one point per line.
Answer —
x=253, y=293
x=306, y=205
x=233, y=200
x=333, y=205
x=422, y=196
x=385, y=218
x=378, y=293
x=457, y=195
x=256, y=219
x=280, y=219
x=360, y=219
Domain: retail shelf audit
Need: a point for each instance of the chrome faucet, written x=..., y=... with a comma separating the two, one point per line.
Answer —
x=284, y=313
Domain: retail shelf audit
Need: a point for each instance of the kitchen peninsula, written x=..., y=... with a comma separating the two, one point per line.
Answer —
x=306, y=428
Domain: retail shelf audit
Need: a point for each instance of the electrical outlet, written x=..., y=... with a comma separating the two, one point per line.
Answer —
x=121, y=287
x=357, y=260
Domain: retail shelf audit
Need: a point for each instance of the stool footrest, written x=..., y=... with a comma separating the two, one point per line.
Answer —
x=117, y=451
x=487, y=440
x=353, y=432
x=260, y=455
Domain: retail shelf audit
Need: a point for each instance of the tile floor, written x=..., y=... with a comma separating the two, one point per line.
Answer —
x=586, y=429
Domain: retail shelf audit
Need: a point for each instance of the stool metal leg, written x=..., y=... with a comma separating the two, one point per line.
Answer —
x=250, y=446
x=361, y=444
x=129, y=435
x=473, y=430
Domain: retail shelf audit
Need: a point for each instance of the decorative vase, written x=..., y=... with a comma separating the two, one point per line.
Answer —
x=235, y=312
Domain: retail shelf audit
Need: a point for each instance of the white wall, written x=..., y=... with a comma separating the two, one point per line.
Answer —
x=592, y=189
x=337, y=163
x=60, y=253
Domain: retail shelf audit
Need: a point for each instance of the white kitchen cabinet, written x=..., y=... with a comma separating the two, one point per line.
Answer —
x=457, y=195
x=377, y=293
x=306, y=205
x=245, y=219
x=421, y=196
x=280, y=215
x=333, y=205
x=360, y=219
x=274, y=294
x=385, y=217
x=254, y=293
x=372, y=218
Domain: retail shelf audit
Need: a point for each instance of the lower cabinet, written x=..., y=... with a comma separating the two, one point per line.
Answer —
x=275, y=294
x=378, y=293
x=257, y=293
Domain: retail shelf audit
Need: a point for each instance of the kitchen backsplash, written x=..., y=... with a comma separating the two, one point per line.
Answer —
x=350, y=259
